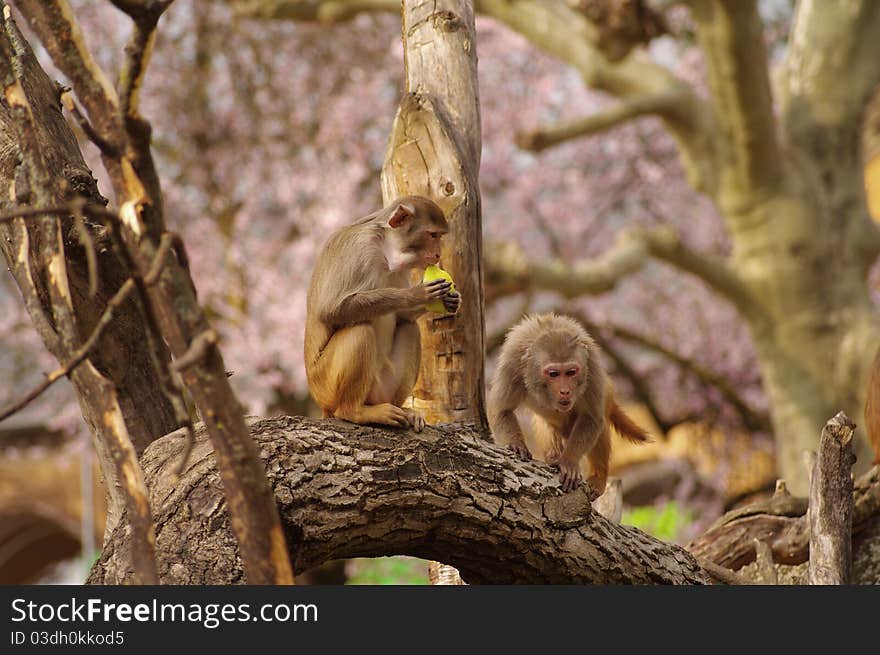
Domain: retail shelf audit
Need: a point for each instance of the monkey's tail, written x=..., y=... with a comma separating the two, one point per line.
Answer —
x=622, y=423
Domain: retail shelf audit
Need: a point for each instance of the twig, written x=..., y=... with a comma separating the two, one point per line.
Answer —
x=106, y=148
x=198, y=348
x=83, y=351
x=78, y=357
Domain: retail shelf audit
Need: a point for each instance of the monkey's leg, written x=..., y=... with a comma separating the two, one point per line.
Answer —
x=406, y=356
x=548, y=441
x=347, y=373
x=599, y=457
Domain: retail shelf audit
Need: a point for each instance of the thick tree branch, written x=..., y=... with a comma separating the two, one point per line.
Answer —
x=353, y=491
x=551, y=135
x=53, y=22
x=508, y=270
x=732, y=37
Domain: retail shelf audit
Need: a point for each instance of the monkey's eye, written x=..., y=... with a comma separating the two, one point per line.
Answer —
x=435, y=235
x=571, y=372
x=553, y=373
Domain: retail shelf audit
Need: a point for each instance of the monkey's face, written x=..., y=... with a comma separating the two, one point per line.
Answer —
x=562, y=381
x=418, y=226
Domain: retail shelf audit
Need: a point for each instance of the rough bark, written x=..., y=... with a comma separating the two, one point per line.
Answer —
x=170, y=307
x=780, y=522
x=831, y=505
x=353, y=491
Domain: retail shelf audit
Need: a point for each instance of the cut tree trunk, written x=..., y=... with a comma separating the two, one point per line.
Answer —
x=831, y=505
x=353, y=491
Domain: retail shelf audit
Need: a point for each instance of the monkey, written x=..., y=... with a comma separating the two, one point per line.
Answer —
x=872, y=408
x=362, y=346
x=549, y=364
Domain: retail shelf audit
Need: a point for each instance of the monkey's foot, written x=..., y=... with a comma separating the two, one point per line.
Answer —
x=416, y=420
x=521, y=451
x=569, y=476
x=384, y=414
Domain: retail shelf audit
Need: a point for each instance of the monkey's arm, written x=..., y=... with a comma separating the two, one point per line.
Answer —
x=585, y=433
x=361, y=306
x=506, y=395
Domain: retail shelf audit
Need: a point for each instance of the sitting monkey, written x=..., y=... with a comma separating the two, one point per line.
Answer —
x=362, y=346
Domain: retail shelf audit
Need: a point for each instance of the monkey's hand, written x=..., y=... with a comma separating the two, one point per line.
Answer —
x=451, y=302
x=569, y=475
x=427, y=291
x=552, y=456
x=521, y=451
x=416, y=420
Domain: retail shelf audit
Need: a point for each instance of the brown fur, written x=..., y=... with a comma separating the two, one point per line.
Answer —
x=872, y=408
x=362, y=348
x=565, y=436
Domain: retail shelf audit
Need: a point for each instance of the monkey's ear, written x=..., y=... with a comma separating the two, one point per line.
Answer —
x=400, y=214
x=586, y=344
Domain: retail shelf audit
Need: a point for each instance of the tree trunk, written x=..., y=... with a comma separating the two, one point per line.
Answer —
x=118, y=388
x=345, y=490
x=435, y=151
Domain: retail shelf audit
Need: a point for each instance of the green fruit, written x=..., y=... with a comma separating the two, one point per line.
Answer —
x=434, y=272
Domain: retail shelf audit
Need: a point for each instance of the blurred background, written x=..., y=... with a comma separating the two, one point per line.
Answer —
x=268, y=135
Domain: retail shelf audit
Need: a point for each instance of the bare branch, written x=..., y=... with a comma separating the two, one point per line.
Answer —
x=327, y=12
x=104, y=146
x=732, y=37
x=78, y=357
x=198, y=350
x=85, y=350
x=552, y=135
x=55, y=25
x=751, y=419
x=508, y=270
x=764, y=558
x=721, y=574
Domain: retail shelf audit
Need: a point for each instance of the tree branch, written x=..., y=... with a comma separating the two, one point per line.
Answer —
x=753, y=420
x=551, y=135
x=508, y=270
x=352, y=491
x=780, y=522
x=732, y=37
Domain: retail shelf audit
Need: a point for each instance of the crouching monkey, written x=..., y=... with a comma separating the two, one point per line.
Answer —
x=362, y=347
x=550, y=365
